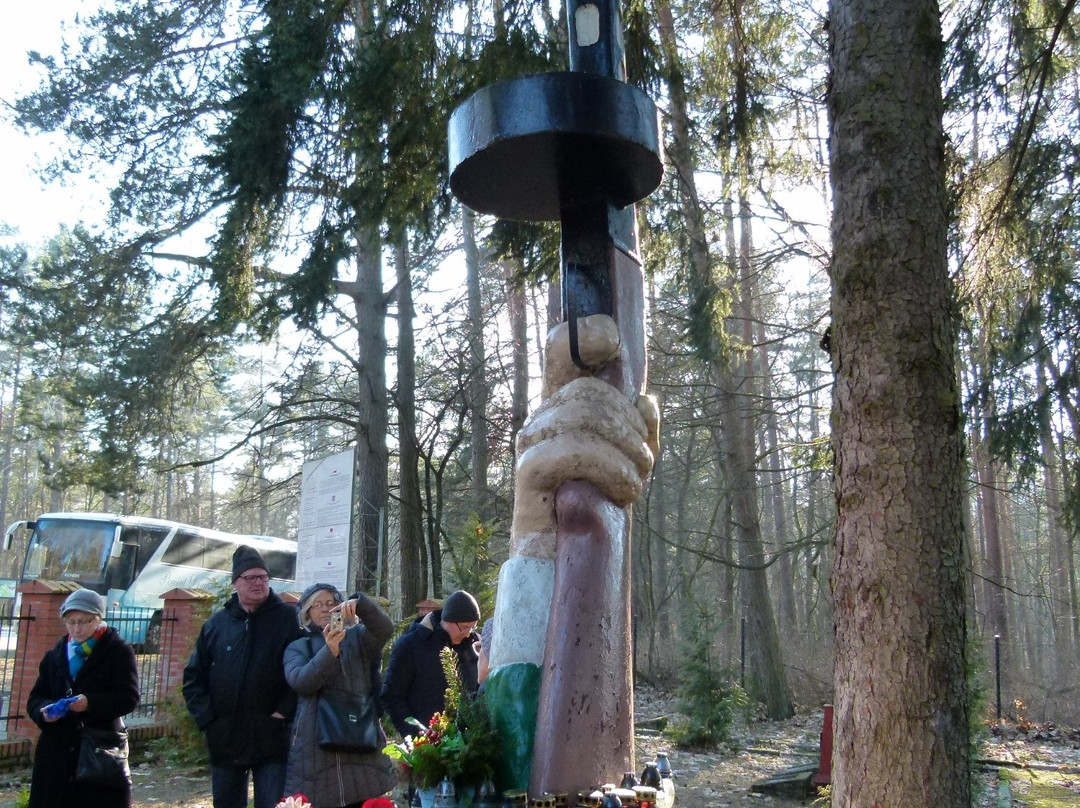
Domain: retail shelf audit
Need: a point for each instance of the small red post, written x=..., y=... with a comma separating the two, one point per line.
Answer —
x=823, y=776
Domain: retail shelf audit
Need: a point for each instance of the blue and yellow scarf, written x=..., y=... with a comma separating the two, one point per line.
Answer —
x=79, y=651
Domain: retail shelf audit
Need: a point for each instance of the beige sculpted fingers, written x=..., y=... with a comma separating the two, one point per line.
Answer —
x=567, y=457
x=590, y=407
x=586, y=430
x=649, y=410
x=598, y=344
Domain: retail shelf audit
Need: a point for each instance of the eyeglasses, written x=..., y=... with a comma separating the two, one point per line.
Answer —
x=254, y=579
x=466, y=627
x=80, y=623
x=323, y=604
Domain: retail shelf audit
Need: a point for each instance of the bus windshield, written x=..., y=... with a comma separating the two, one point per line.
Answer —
x=70, y=550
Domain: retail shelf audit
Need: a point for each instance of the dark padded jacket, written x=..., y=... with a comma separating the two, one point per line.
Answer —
x=414, y=684
x=234, y=682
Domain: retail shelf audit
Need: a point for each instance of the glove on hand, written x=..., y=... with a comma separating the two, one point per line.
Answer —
x=58, y=709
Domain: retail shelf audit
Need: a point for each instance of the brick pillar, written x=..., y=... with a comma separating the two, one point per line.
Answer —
x=427, y=606
x=182, y=618
x=39, y=629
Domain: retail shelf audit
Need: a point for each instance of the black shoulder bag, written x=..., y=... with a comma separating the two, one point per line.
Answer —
x=103, y=757
x=346, y=721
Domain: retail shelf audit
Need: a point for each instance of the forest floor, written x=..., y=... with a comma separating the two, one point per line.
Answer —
x=1032, y=758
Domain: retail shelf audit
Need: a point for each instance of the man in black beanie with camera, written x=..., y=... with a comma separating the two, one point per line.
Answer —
x=414, y=684
x=235, y=688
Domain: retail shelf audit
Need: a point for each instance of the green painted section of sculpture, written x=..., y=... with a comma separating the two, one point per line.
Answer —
x=512, y=692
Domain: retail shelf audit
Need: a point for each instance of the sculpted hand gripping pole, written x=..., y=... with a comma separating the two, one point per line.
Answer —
x=581, y=147
x=562, y=613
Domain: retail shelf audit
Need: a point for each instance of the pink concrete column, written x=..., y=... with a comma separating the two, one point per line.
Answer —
x=39, y=629
x=182, y=618
x=427, y=606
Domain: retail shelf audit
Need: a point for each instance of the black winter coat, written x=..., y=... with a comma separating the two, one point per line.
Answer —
x=234, y=682
x=110, y=681
x=414, y=685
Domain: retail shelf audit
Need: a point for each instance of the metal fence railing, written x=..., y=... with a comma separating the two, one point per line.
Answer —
x=9, y=640
x=148, y=658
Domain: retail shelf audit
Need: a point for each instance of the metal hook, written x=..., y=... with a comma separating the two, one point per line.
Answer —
x=585, y=290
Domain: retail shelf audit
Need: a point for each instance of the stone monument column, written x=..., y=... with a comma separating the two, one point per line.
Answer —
x=580, y=147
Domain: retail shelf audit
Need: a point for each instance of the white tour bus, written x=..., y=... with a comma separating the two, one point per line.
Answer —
x=134, y=560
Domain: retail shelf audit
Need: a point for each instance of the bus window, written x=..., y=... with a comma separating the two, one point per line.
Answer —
x=217, y=555
x=120, y=570
x=185, y=550
x=147, y=538
x=282, y=565
x=70, y=550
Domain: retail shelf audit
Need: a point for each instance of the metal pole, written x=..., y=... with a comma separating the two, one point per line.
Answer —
x=997, y=671
x=742, y=653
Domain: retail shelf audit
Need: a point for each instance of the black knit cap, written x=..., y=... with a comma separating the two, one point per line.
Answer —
x=460, y=607
x=246, y=558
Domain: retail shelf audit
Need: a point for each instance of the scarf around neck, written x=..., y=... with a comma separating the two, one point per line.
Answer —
x=79, y=651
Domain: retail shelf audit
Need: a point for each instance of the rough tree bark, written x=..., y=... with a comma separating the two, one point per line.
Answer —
x=372, y=455
x=478, y=384
x=411, y=544
x=901, y=717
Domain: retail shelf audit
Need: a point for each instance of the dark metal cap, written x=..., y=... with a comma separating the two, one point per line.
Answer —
x=528, y=147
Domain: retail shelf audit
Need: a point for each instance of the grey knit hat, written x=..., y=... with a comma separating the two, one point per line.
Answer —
x=460, y=607
x=308, y=596
x=84, y=600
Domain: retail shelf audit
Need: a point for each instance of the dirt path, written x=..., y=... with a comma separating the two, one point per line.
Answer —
x=721, y=779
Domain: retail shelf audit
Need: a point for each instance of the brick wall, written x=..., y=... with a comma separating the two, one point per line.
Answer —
x=39, y=629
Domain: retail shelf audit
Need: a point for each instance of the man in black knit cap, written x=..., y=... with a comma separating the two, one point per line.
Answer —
x=235, y=688
x=414, y=683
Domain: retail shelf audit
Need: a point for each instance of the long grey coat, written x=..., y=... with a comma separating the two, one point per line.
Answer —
x=335, y=779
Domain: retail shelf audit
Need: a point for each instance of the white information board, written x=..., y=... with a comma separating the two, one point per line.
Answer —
x=323, y=539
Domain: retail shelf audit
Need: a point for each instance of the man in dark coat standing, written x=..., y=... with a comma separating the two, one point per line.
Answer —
x=235, y=687
x=414, y=685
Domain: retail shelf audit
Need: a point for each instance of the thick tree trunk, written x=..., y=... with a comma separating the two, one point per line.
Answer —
x=372, y=455
x=410, y=518
x=1061, y=604
x=478, y=384
x=7, y=435
x=519, y=336
x=901, y=719
x=774, y=490
x=737, y=433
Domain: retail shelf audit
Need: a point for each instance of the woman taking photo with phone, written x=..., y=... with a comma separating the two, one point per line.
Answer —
x=338, y=657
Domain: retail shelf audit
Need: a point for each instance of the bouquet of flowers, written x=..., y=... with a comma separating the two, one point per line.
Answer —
x=460, y=743
x=430, y=755
x=295, y=801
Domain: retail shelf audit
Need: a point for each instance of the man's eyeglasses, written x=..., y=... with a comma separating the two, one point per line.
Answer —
x=467, y=628
x=255, y=579
x=80, y=623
